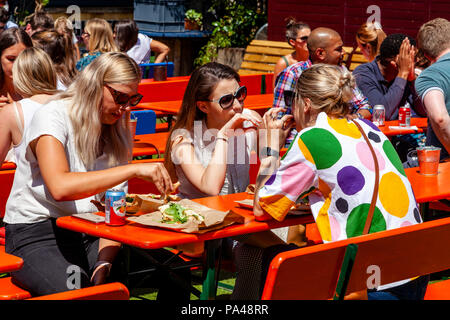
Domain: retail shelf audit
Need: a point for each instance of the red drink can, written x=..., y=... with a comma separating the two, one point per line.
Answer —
x=115, y=208
x=404, y=116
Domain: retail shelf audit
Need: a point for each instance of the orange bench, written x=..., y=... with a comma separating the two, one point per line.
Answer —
x=334, y=269
x=174, y=90
x=108, y=291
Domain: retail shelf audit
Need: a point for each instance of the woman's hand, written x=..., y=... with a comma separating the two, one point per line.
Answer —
x=4, y=101
x=156, y=173
x=237, y=122
x=279, y=127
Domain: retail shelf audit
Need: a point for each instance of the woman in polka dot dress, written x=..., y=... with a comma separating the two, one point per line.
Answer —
x=330, y=164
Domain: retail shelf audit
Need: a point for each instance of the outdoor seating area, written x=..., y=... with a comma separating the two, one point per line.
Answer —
x=317, y=170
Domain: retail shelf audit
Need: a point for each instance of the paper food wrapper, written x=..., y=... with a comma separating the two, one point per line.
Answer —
x=141, y=202
x=214, y=219
x=148, y=202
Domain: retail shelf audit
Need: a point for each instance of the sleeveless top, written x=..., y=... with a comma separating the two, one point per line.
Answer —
x=238, y=160
x=29, y=107
x=141, y=51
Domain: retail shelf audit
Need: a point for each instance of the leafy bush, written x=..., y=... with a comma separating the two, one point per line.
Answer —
x=238, y=22
x=194, y=16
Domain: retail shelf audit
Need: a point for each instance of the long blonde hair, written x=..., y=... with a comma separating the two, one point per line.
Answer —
x=372, y=34
x=100, y=36
x=329, y=87
x=85, y=99
x=33, y=73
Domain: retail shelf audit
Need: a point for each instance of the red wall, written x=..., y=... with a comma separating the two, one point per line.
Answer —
x=346, y=16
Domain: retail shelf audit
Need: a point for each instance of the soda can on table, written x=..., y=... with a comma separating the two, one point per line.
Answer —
x=115, y=207
x=378, y=115
x=404, y=116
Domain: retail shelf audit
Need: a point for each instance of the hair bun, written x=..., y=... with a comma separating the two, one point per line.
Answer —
x=346, y=79
x=290, y=21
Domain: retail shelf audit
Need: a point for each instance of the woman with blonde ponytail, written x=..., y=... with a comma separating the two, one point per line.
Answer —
x=35, y=80
x=330, y=166
x=369, y=38
x=77, y=147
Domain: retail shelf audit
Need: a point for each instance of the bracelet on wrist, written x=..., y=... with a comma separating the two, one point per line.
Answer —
x=222, y=138
x=100, y=264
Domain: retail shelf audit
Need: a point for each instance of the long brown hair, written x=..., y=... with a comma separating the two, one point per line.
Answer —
x=201, y=84
x=61, y=50
x=10, y=37
x=126, y=34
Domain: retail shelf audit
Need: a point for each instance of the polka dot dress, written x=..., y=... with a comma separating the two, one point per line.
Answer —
x=331, y=163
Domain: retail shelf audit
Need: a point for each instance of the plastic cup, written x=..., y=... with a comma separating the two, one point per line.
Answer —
x=132, y=125
x=412, y=159
x=428, y=160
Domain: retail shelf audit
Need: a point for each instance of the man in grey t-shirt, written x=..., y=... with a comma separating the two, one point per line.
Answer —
x=433, y=84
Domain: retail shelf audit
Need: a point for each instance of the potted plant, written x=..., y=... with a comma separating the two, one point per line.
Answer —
x=192, y=20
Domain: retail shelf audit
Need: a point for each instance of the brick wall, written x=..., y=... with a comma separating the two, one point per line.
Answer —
x=346, y=16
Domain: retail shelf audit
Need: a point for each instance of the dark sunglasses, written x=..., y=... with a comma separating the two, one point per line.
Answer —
x=123, y=99
x=227, y=100
x=304, y=38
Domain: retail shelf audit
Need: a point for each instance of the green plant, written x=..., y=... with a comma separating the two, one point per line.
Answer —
x=194, y=16
x=238, y=22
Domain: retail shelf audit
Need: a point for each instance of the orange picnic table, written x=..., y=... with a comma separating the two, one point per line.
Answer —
x=420, y=123
x=430, y=188
x=136, y=235
x=9, y=262
x=144, y=144
x=257, y=102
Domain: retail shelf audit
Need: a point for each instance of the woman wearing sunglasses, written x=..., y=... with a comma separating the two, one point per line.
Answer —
x=77, y=147
x=297, y=34
x=202, y=152
x=369, y=38
x=210, y=147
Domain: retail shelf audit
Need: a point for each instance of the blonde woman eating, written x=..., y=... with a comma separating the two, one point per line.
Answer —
x=76, y=148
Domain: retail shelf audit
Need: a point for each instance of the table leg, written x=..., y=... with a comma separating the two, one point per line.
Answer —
x=209, y=282
x=169, y=120
x=425, y=211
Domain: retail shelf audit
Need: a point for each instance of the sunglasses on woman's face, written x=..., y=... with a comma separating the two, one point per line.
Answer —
x=227, y=100
x=303, y=39
x=124, y=100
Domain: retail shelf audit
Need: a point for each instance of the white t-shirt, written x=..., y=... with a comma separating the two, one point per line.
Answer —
x=141, y=51
x=30, y=201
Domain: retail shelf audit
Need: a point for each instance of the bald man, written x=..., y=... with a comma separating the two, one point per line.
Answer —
x=324, y=46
